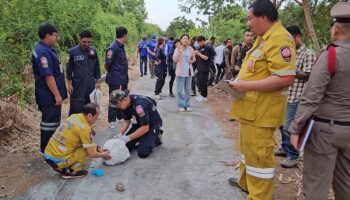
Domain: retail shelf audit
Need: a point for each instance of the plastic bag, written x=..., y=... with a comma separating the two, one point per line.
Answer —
x=96, y=98
x=118, y=151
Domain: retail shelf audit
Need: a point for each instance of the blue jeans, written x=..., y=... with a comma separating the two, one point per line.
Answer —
x=143, y=65
x=183, y=91
x=287, y=147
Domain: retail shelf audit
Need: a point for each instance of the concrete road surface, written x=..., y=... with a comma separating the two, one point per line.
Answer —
x=187, y=165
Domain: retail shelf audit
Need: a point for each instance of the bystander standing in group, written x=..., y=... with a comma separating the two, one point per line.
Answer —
x=219, y=61
x=184, y=57
x=305, y=61
x=171, y=66
x=161, y=68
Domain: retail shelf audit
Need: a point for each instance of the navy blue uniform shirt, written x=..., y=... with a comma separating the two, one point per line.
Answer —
x=45, y=62
x=144, y=109
x=152, y=45
x=117, y=64
x=83, y=69
x=142, y=48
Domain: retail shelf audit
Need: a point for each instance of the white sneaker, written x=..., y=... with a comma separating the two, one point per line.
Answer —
x=204, y=99
x=158, y=97
x=188, y=109
x=199, y=98
x=162, y=95
x=182, y=109
x=112, y=125
x=120, y=120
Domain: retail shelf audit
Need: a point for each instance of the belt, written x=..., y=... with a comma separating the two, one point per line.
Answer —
x=329, y=121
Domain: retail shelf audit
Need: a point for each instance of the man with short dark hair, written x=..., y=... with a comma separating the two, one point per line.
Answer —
x=146, y=133
x=72, y=144
x=83, y=72
x=50, y=88
x=266, y=72
x=305, y=61
x=116, y=64
x=238, y=54
x=202, y=53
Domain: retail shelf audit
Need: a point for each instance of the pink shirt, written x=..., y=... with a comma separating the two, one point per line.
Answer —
x=184, y=62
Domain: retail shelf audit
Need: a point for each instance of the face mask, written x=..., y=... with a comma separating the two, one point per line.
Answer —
x=196, y=45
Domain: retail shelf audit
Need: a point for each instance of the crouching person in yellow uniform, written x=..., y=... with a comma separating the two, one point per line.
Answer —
x=72, y=144
x=267, y=71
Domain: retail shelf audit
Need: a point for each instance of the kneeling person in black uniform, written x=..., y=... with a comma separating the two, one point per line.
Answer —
x=146, y=133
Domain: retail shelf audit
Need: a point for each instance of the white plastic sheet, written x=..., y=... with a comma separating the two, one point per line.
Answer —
x=118, y=151
x=96, y=98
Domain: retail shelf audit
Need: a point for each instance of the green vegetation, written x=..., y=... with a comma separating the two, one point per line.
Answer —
x=19, y=22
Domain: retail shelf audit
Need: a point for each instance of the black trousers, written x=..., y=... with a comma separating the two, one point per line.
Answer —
x=212, y=73
x=50, y=120
x=221, y=72
x=172, y=79
x=114, y=113
x=161, y=75
x=202, y=83
x=146, y=142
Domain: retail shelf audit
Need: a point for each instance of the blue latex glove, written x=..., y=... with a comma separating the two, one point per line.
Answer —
x=97, y=172
x=125, y=138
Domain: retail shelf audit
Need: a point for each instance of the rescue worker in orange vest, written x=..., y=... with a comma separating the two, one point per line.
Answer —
x=267, y=71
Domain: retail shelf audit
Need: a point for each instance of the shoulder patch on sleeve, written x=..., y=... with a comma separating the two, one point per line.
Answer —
x=286, y=53
x=139, y=110
x=44, y=62
x=109, y=53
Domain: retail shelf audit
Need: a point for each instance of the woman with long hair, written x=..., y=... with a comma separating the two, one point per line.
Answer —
x=172, y=66
x=160, y=69
x=184, y=57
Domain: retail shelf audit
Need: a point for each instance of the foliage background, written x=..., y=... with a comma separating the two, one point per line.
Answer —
x=19, y=22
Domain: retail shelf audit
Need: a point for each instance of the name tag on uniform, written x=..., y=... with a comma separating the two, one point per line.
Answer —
x=78, y=58
x=256, y=53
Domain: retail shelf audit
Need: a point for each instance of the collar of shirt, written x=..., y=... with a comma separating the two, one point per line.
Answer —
x=274, y=29
x=301, y=49
x=119, y=44
x=47, y=46
x=341, y=42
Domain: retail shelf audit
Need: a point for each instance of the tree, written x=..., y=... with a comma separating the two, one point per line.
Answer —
x=310, y=26
x=179, y=26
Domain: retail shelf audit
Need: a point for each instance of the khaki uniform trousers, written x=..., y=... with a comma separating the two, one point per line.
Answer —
x=75, y=161
x=327, y=161
x=257, y=165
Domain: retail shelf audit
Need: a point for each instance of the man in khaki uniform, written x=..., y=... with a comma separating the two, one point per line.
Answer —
x=267, y=71
x=327, y=99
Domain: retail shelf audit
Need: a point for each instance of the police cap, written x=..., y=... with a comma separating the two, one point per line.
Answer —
x=153, y=36
x=144, y=38
x=118, y=95
x=340, y=12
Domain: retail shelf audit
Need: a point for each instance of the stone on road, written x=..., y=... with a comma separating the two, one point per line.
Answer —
x=186, y=166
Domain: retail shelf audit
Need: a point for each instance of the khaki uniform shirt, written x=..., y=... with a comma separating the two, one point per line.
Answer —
x=75, y=132
x=325, y=96
x=273, y=54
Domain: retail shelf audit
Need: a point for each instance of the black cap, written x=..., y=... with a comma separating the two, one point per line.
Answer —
x=118, y=95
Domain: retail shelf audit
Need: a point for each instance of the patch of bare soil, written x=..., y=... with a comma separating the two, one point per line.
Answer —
x=21, y=165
